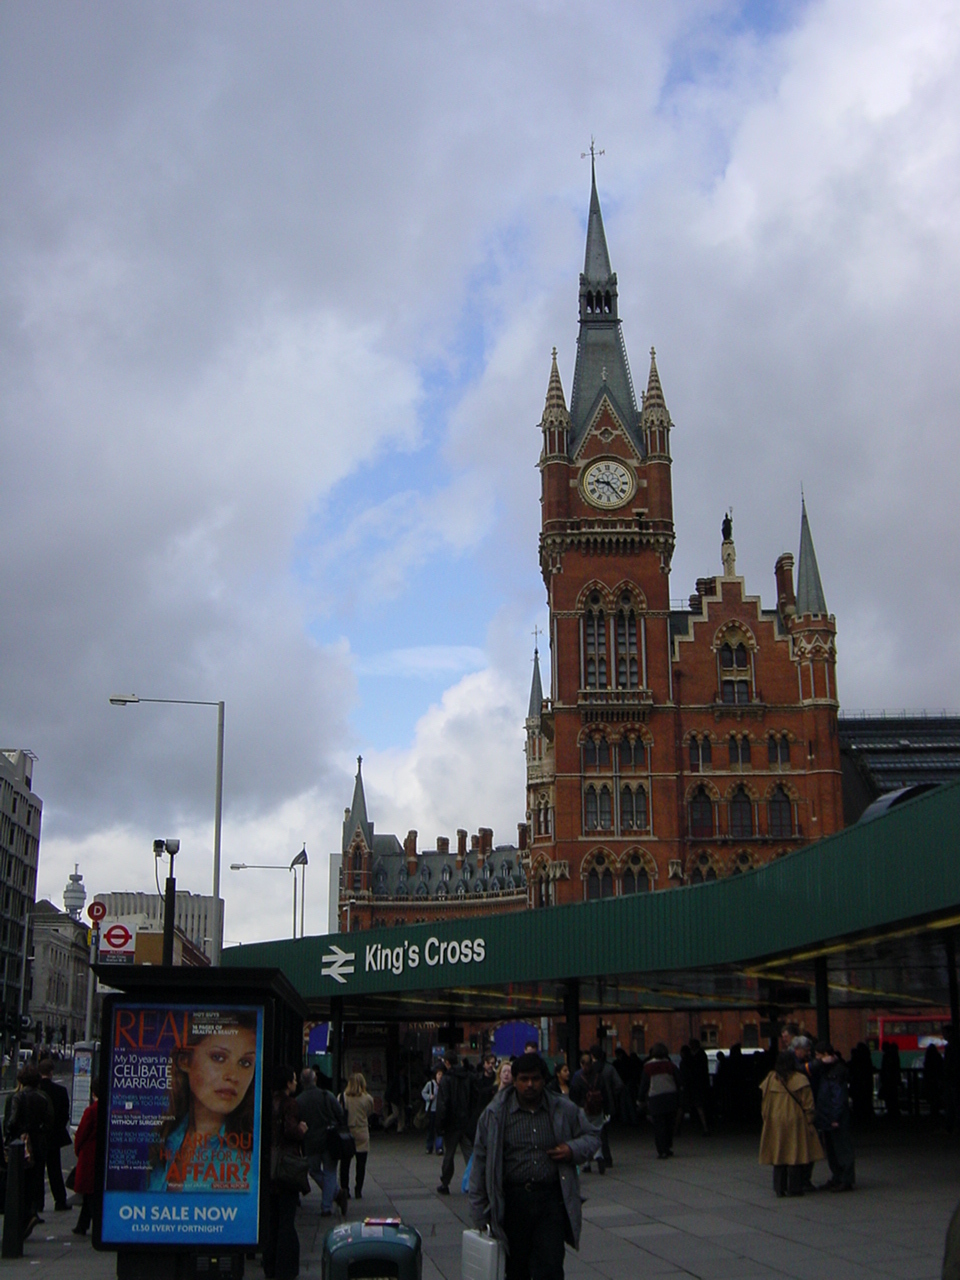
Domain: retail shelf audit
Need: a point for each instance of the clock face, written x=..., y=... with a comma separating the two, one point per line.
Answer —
x=607, y=483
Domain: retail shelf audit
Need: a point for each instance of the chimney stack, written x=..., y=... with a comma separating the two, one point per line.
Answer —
x=486, y=844
x=523, y=833
x=786, y=598
x=443, y=844
x=410, y=849
x=461, y=847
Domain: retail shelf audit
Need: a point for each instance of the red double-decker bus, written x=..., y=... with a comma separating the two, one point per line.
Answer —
x=912, y=1032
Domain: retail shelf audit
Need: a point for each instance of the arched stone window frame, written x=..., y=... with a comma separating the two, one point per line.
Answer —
x=710, y=793
x=793, y=796
x=741, y=680
x=703, y=867
x=594, y=606
x=632, y=861
x=741, y=798
x=597, y=875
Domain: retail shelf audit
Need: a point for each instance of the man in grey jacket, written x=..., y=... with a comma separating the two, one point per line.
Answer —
x=523, y=1183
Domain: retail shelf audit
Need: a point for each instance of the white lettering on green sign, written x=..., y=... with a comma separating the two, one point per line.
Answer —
x=381, y=959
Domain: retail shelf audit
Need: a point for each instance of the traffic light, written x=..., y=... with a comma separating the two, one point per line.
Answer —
x=12, y=1022
x=25, y=1024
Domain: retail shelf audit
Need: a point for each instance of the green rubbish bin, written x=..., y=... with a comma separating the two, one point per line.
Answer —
x=374, y=1249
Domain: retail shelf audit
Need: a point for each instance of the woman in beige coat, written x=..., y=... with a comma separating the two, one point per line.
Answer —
x=358, y=1105
x=789, y=1140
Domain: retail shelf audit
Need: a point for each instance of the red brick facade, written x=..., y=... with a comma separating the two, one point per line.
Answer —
x=675, y=745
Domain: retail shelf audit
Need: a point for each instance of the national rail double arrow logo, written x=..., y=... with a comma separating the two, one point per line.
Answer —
x=336, y=963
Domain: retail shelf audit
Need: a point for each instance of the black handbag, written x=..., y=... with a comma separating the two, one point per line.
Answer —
x=290, y=1172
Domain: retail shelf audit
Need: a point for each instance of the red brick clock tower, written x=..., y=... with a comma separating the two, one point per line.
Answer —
x=673, y=745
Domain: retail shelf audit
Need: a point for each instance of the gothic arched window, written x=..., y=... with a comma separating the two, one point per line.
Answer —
x=606, y=883
x=741, y=815
x=593, y=885
x=641, y=816
x=635, y=878
x=626, y=809
x=701, y=813
x=591, y=818
x=606, y=810
x=779, y=815
x=595, y=645
x=628, y=671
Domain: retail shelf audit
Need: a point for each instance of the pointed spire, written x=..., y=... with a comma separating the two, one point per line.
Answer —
x=810, y=597
x=654, y=397
x=555, y=408
x=596, y=259
x=357, y=817
x=536, y=690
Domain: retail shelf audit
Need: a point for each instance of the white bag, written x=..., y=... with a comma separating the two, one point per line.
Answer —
x=482, y=1258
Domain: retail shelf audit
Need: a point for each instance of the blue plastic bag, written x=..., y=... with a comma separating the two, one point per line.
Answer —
x=466, y=1175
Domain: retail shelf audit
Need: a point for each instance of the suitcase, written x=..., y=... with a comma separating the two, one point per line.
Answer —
x=482, y=1257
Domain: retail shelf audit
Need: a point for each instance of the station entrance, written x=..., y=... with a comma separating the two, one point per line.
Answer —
x=862, y=921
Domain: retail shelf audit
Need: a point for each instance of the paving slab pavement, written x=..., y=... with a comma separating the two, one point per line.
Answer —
x=709, y=1213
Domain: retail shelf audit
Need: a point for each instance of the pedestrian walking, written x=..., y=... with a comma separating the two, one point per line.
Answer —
x=456, y=1102
x=29, y=1116
x=60, y=1137
x=358, y=1105
x=597, y=1089
x=523, y=1184
x=660, y=1091
x=789, y=1140
x=85, y=1148
x=325, y=1119
x=281, y=1248
x=429, y=1095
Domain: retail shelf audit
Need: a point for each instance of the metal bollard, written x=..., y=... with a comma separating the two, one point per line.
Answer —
x=13, y=1205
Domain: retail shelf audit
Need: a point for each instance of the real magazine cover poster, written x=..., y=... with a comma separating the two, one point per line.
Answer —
x=183, y=1124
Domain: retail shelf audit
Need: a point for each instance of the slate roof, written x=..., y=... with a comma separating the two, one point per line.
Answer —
x=602, y=367
x=437, y=876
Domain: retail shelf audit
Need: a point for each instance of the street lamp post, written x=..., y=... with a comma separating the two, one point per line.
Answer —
x=127, y=699
x=299, y=861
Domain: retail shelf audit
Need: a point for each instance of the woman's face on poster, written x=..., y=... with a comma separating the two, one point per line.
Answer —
x=221, y=1068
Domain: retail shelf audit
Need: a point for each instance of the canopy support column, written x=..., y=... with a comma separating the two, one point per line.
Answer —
x=949, y=947
x=336, y=1042
x=571, y=1014
x=823, y=998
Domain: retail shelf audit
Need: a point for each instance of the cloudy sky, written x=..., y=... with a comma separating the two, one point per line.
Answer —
x=279, y=286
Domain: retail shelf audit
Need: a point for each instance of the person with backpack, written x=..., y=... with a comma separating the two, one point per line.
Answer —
x=596, y=1088
x=831, y=1118
x=456, y=1115
x=660, y=1092
x=325, y=1118
x=30, y=1117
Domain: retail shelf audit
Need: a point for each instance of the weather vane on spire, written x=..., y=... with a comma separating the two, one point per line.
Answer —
x=537, y=633
x=593, y=152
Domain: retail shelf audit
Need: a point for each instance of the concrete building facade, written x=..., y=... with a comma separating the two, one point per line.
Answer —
x=21, y=812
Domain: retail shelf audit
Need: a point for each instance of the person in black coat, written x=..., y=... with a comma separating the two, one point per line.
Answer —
x=60, y=1101
x=29, y=1116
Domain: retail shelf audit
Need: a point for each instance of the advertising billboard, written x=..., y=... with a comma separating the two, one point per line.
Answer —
x=184, y=1096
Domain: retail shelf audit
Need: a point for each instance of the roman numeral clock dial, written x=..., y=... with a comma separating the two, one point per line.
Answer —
x=607, y=484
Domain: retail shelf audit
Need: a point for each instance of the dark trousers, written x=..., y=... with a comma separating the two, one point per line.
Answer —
x=536, y=1223
x=86, y=1215
x=281, y=1246
x=453, y=1138
x=431, y=1131
x=838, y=1144
x=55, y=1176
x=788, y=1179
x=361, y=1171
x=605, y=1143
x=663, y=1131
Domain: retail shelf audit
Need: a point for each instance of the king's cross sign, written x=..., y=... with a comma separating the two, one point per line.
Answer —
x=337, y=963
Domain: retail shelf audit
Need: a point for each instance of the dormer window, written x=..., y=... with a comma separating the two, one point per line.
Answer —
x=445, y=873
